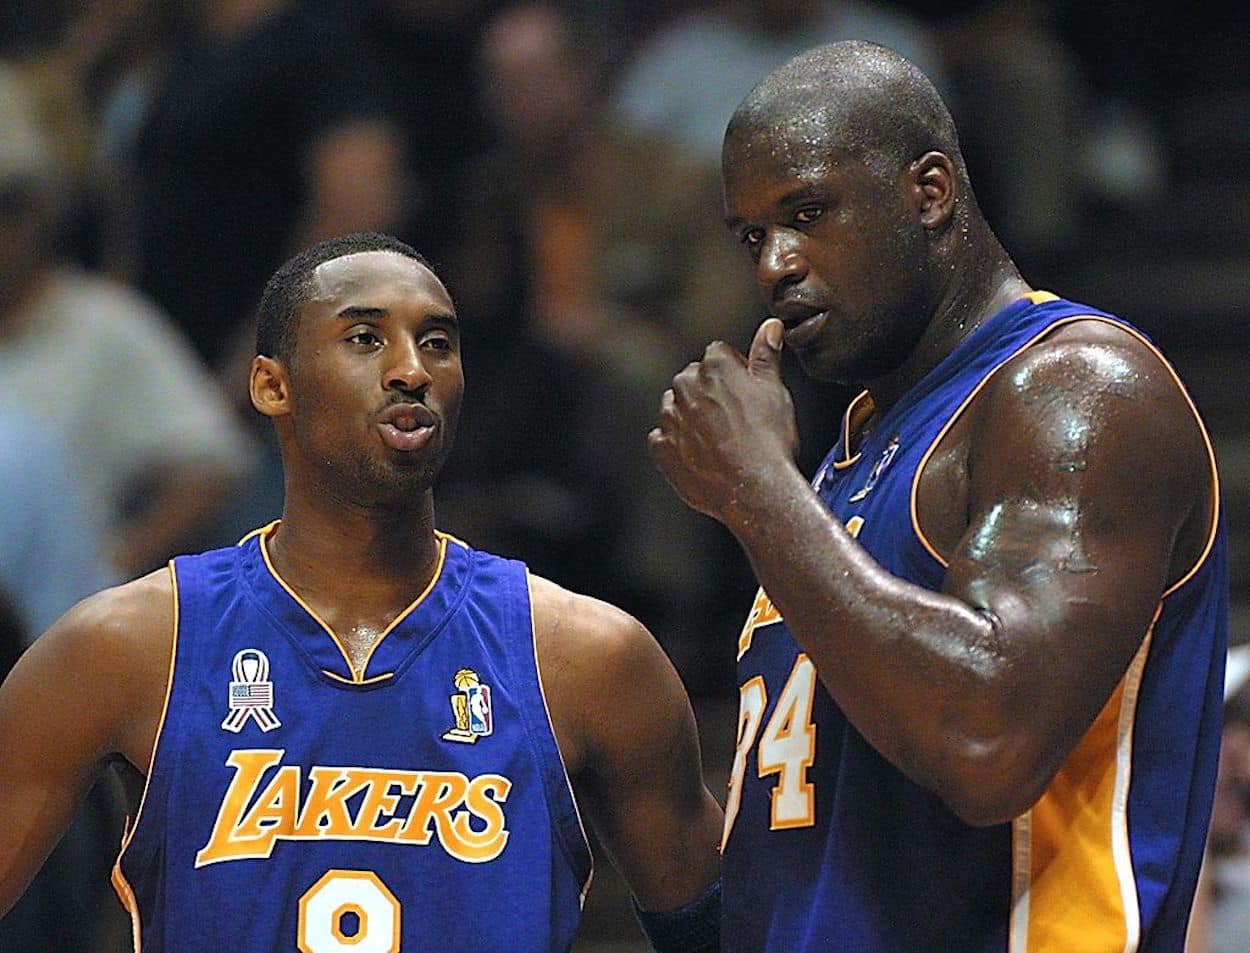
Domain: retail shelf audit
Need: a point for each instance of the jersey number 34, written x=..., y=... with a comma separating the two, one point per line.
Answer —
x=786, y=748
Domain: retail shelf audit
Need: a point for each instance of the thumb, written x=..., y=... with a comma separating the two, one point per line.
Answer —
x=764, y=357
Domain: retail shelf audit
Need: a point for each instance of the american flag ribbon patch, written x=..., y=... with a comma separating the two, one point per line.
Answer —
x=250, y=695
x=251, y=692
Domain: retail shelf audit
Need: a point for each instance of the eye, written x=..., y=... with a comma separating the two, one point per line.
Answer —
x=363, y=337
x=808, y=214
x=438, y=341
x=752, y=237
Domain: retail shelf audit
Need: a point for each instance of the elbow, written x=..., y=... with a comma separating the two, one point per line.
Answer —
x=990, y=783
x=987, y=811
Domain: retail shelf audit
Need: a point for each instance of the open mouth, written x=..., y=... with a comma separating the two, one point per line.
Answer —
x=406, y=427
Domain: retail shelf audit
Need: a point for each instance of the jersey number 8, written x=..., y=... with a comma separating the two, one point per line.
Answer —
x=348, y=910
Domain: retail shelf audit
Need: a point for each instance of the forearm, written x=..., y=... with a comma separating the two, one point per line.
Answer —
x=35, y=820
x=919, y=673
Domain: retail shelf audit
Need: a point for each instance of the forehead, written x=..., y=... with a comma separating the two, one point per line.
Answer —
x=376, y=280
x=765, y=165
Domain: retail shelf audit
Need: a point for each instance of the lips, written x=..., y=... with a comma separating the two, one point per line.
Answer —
x=802, y=321
x=406, y=427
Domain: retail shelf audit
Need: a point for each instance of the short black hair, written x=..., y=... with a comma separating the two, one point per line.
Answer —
x=277, y=315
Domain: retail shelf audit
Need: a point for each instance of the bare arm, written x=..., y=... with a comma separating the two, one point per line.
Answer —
x=1085, y=460
x=628, y=738
x=91, y=687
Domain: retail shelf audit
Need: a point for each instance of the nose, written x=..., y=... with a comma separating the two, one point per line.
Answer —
x=781, y=260
x=405, y=371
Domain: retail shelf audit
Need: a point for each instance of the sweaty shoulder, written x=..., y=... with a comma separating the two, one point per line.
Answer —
x=115, y=647
x=1094, y=413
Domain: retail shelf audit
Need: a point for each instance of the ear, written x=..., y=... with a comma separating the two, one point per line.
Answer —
x=269, y=386
x=933, y=183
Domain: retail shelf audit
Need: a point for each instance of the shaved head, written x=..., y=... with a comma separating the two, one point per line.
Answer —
x=853, y=99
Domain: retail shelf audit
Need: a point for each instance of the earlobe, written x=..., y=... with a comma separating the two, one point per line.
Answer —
x=934, y=175
x=268, y=386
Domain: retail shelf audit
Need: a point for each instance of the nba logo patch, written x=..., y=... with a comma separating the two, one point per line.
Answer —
x=480, y=720
x=470, y=709
x=878, y=468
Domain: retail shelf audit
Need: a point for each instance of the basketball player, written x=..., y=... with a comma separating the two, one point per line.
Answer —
x=359, y=733
x=980, y=686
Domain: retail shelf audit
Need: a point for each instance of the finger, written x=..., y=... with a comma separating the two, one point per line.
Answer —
x=660, y=448
x=719, y=351
x=764, y=357
x=667, y=405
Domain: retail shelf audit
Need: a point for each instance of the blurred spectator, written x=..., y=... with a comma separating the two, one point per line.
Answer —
x=590, y=265
x=154, y=447
x=428, y=48
x=96, y=49
x=1136, y=58
x=268, y=129
x=49, y=559
x=686, y=81
x=50, y=556
x=1222, y=909
x=1019, y=96
x=13, y=635
x=597, y=227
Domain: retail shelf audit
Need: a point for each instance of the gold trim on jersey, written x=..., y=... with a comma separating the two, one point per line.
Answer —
x=1073, y=879
x=357, y=681
x=121, y=886
x=1065, y=898
x=858, y=412
x=357, y=674
x=542, y=693
x=1049, y=329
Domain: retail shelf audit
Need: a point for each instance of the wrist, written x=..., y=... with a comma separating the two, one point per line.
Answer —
x=692, y=928
x=761, y=496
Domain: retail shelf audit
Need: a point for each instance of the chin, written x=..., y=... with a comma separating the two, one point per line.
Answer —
x=828, y=368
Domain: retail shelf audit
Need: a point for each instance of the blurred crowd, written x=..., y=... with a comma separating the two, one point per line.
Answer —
x=558, y=164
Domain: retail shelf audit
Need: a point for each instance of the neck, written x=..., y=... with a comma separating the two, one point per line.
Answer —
x=353, y=553
x=984, y=280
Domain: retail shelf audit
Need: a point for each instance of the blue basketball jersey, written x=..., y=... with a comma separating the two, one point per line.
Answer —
x=829, y=847
x=292, y=805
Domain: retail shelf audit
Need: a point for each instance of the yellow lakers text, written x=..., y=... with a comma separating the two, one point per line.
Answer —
x=263, y=806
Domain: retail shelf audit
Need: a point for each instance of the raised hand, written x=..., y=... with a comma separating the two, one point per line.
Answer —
x=726, y=422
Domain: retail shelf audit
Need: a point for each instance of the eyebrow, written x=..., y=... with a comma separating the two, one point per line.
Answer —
x=449, y=321
x=360, y=311
x=795, y=196
x=357, y=312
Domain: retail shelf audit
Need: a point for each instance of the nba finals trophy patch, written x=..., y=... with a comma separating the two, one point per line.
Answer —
x=470, y=707
x=251, y=692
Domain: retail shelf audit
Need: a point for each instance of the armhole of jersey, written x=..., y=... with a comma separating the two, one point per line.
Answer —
x=1214, y=523
x=121, y=885
x=555, y=743
x=1049, y=329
